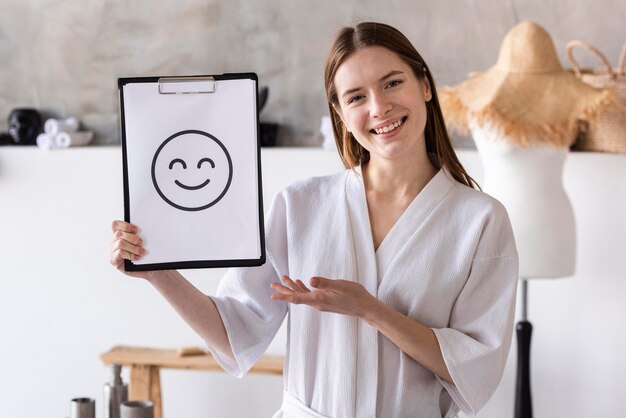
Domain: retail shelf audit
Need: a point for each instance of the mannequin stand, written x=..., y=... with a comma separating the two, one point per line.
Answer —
x=524, y=329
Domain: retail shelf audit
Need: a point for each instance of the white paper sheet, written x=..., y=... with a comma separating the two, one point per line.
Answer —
x=192, y=164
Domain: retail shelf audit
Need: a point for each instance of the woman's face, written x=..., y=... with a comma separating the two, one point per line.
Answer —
x=382, y=103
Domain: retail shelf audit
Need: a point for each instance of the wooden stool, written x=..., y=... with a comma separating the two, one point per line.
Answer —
x=145, y=363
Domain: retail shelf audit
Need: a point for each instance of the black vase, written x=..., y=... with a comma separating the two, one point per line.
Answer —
x=269, y=132
x=24, y=126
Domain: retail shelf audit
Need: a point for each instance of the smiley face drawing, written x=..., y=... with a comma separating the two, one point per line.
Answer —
x=192, y=170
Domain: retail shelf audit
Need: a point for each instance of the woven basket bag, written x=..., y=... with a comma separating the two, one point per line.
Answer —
x=609, y=133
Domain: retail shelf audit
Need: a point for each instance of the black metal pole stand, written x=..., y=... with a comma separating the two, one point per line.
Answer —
x=524, y=329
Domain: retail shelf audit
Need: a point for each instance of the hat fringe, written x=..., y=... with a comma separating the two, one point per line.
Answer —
x=520, y=133
x=454, y=111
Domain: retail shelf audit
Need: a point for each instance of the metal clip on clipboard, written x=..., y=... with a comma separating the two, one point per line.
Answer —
x=186, y=85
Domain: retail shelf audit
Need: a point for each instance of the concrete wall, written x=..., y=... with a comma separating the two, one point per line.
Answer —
x=64, y=57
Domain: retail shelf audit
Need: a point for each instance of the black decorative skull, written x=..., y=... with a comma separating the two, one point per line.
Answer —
x=24, y=126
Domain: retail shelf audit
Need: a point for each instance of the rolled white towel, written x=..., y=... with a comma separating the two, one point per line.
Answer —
x=54, y=126
x=73, y=139
x=45, y=141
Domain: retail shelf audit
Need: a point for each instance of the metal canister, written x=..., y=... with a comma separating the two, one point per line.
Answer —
x=115, y=392
x=83, y=408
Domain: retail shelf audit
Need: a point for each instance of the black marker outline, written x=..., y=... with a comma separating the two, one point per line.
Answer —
x=178, y=160
x=230, y=170
x=210, y=161
x=199, y=186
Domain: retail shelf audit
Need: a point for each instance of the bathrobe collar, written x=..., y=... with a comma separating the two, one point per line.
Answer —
x=409, y=222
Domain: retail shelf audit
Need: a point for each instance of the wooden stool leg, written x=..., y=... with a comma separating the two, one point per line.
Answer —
x=155, y=392
x=145, y=384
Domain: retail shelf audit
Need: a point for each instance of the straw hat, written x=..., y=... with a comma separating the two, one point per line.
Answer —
x=527, y=94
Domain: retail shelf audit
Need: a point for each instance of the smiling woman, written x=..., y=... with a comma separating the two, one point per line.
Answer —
x=387, y=109
x=361, y=54
x=398, y=276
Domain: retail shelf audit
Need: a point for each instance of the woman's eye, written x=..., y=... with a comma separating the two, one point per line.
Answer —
x=355, y=98
x=394, y=83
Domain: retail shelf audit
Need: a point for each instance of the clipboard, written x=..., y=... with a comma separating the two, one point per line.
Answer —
x=192, y=170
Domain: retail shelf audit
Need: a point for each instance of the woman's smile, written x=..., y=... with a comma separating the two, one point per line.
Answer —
x=389, y=129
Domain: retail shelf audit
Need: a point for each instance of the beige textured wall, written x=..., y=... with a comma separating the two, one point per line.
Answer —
x=63, y=57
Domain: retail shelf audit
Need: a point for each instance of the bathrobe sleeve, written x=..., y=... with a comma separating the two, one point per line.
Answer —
x=243, y=299
x=477, y=342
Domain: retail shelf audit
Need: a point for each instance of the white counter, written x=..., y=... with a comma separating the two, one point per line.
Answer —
x=61, y=303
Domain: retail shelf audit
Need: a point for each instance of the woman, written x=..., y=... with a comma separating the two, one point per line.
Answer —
x=410, y=273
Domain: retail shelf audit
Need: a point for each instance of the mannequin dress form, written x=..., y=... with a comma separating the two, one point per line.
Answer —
x=523, y=113
x=528, y=182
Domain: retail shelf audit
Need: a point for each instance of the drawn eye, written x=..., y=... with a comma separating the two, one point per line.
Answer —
x=210, y=161
x=178, y=160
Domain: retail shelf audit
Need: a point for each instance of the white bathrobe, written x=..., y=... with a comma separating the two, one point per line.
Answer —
x=449, y=263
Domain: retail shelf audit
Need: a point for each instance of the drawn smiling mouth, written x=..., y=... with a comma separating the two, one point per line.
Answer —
x=199, y=186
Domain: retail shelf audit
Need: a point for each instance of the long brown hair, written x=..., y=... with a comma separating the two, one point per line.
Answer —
x=366, y=34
